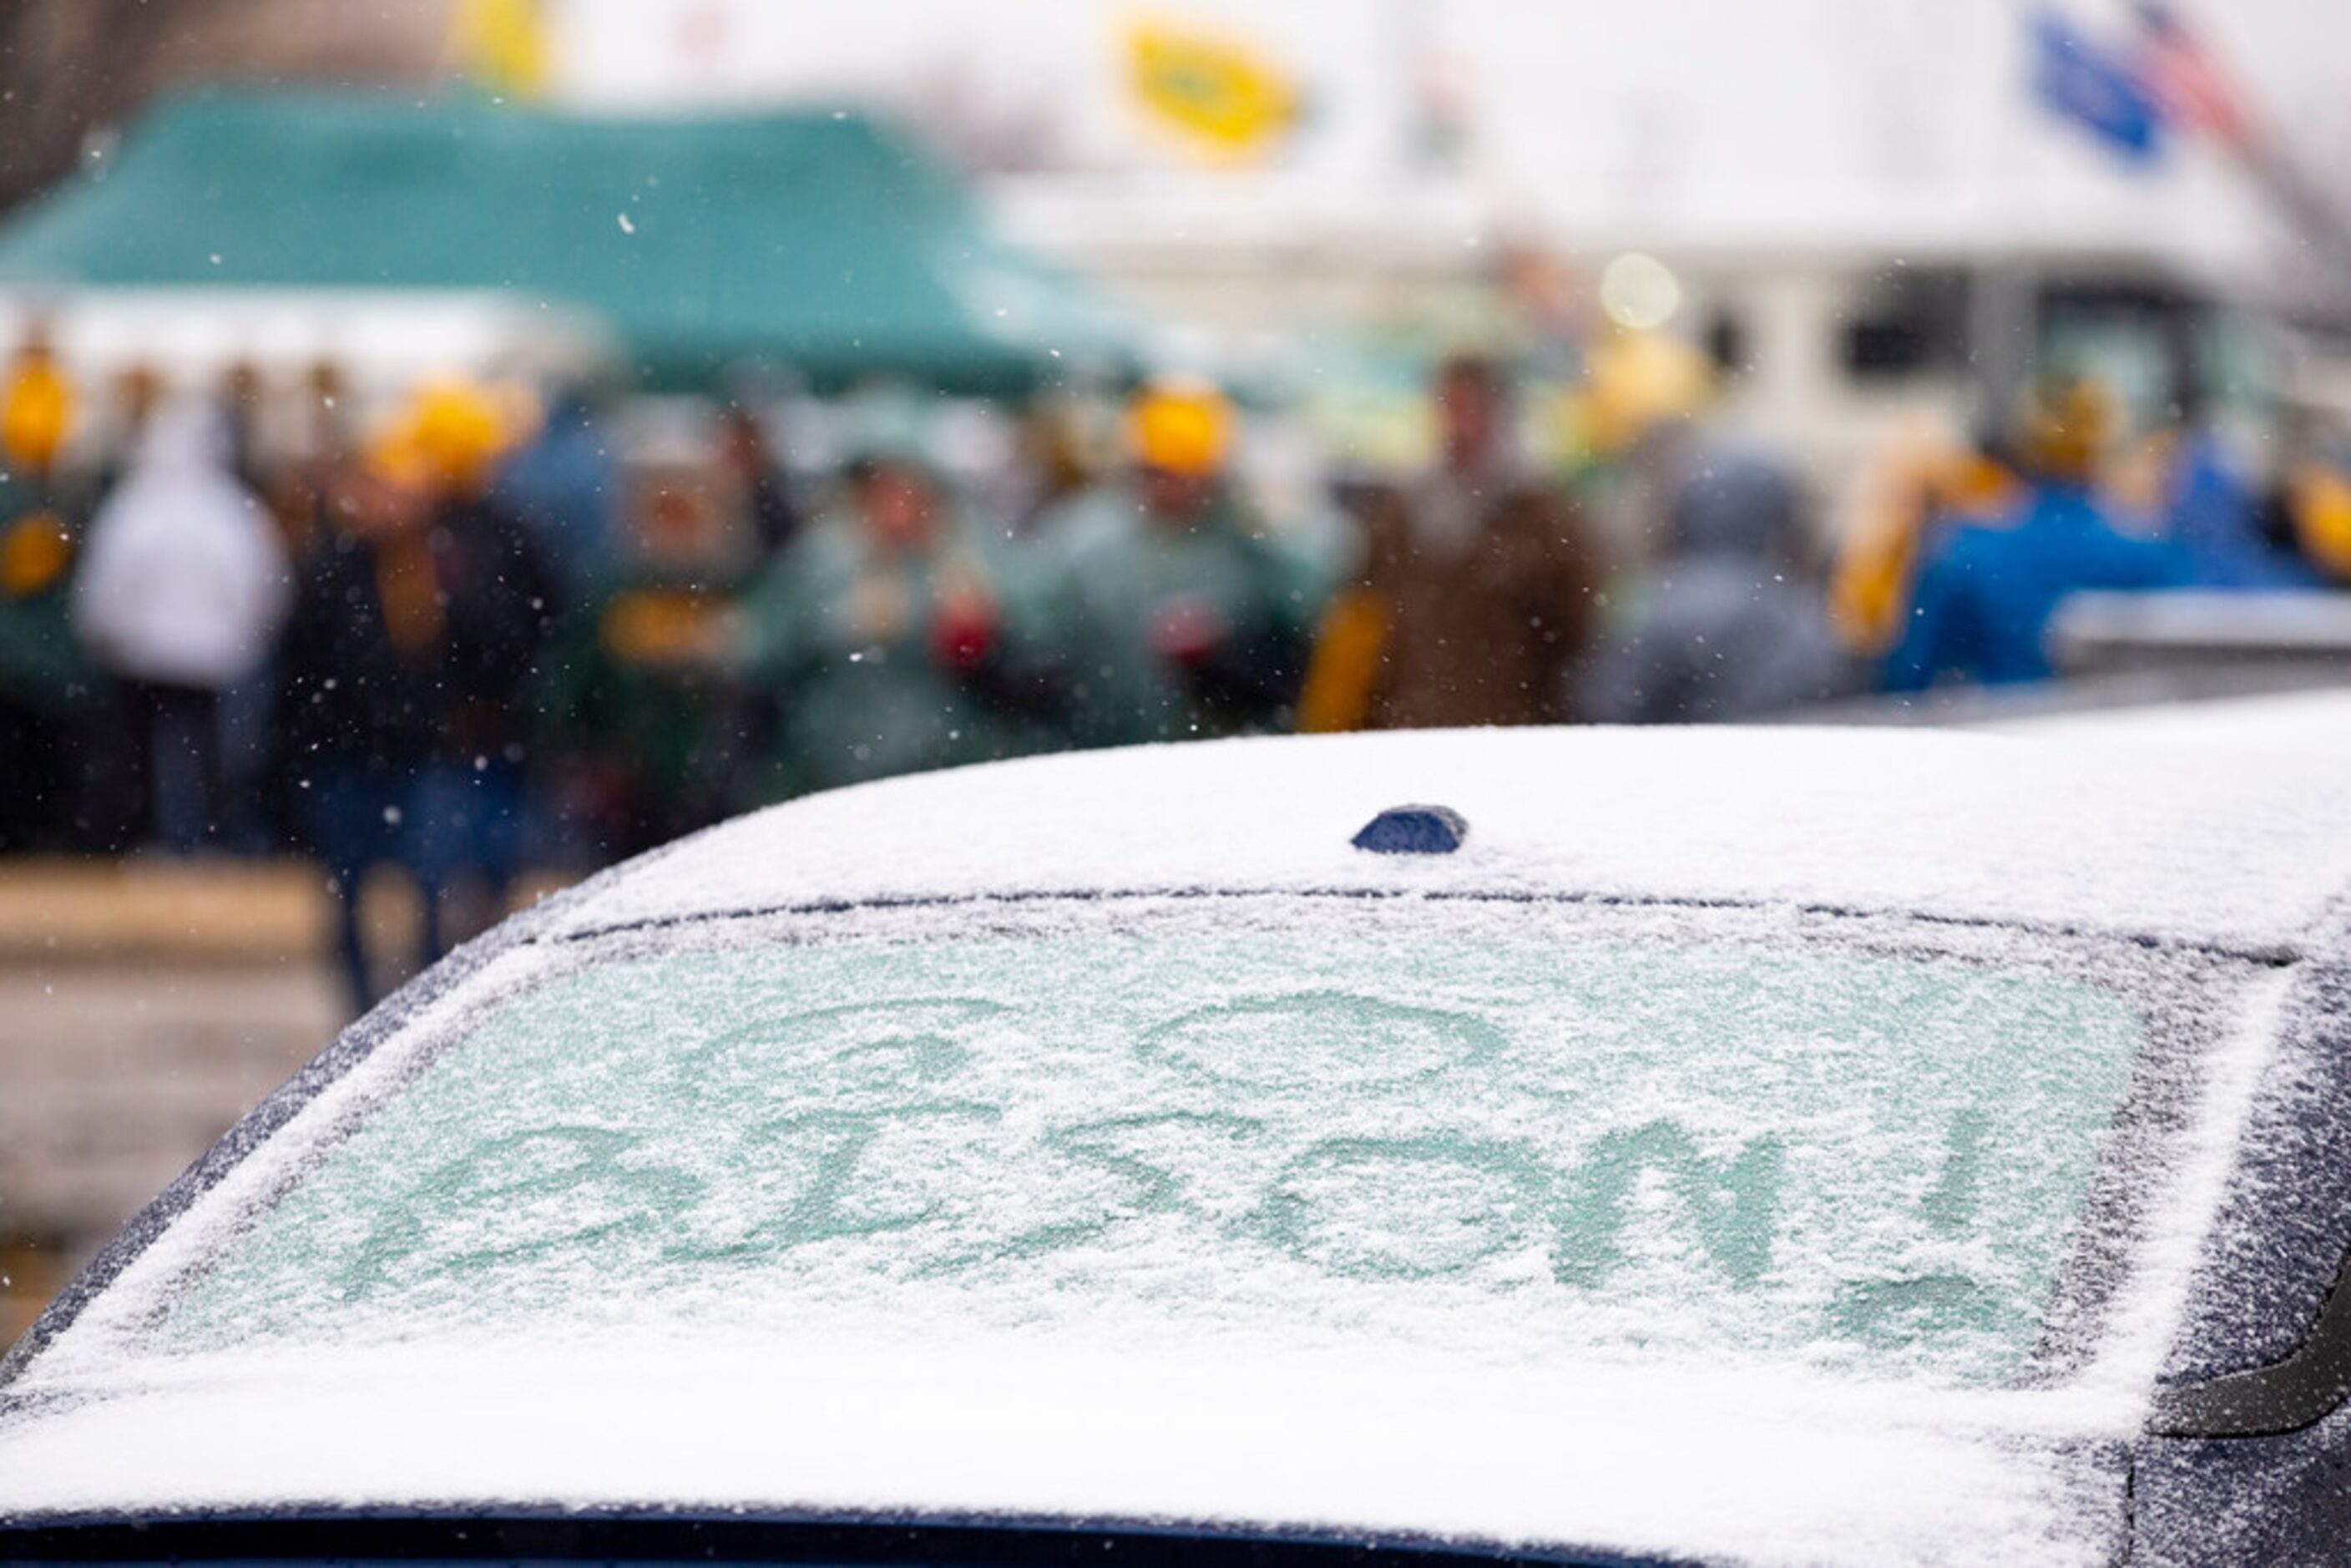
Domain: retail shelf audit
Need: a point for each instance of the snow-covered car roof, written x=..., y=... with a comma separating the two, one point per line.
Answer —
x=579, y=1221
x=1959, y=827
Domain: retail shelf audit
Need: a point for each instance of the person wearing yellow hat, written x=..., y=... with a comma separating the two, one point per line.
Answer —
x=1475, y=596
x=37, y=416
x=45, y=676
x=1983, y=601
x=1175, y=609
x=1179, y=432
x=45, y=682
x=458, y=430
x=405, y=676
x=359, y=665
x=36, y=409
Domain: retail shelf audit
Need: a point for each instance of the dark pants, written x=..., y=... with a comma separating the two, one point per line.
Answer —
x=438, y=821
x=469, y=821
x=176, y=753
x=360, y=818
x=36, y=780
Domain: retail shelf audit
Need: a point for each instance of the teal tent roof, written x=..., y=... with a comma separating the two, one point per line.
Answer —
x=819, y=242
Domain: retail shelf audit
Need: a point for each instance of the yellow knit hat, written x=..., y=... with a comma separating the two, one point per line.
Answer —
x=1634, y=382
x=2066, y=426
x=397, y=457
x=457, y=429
x=1181, y=425
x=37, y=412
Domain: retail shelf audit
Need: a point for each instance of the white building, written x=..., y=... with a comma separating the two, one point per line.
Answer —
x=1865, y=196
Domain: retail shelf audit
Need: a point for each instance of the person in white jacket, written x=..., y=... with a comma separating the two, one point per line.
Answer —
x=182, y=583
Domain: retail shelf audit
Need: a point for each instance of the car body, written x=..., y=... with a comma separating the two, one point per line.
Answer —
x=1776, y=1145
x=2304, y=632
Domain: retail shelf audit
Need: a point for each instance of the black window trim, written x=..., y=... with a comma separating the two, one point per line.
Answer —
x=846, y=1539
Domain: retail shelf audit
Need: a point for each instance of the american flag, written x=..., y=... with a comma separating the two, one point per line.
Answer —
x=2186, y=78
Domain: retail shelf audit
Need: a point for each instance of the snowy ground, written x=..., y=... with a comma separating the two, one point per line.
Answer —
x=114, y=1075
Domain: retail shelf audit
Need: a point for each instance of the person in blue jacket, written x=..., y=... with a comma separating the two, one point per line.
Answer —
x=1984, y=600
x=2214, y=516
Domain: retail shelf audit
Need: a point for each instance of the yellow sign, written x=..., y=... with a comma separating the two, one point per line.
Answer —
x=502, y=44
x=1223, y=96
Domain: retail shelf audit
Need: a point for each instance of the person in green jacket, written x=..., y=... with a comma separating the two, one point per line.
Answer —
x=1172, y=610
x=886, y=636
x=48, y=688
x=54, y=702
x=644, y=727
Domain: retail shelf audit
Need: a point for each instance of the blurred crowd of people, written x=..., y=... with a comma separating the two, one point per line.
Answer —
x=1957, y=570
x=471, y=637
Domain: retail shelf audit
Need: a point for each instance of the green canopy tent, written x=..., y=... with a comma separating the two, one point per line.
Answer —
x=819, y=242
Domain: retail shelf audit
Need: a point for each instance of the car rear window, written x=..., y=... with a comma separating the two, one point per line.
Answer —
x=1512, y=1131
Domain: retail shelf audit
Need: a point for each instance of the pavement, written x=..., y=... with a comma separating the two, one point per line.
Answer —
x=145, y=1005
x=114, y=1076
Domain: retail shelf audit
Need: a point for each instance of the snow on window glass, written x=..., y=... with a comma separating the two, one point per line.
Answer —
x=1514, y=1132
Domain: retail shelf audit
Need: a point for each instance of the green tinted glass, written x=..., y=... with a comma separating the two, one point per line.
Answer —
x=1442, y=1126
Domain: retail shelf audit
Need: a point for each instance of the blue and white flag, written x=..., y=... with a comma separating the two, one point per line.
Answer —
x=2098, y=90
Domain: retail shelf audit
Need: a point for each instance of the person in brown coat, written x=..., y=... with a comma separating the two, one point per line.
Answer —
x=1476, y=594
